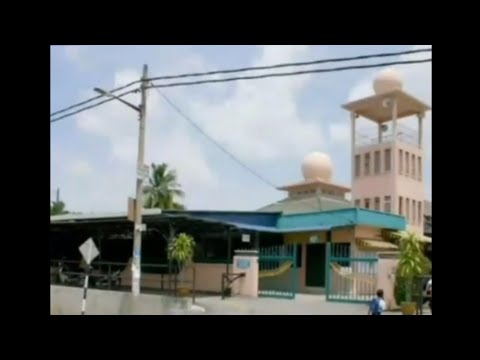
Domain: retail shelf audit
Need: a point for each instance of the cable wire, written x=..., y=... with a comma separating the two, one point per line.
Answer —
x=92, y=106
x=94, y=98
x=324, y=61
x=238, y=161
x=253, y=68
x=263, y=76
x=253, y=77
x=196, y=126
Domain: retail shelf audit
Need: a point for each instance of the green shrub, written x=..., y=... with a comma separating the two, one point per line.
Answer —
x=412, y=264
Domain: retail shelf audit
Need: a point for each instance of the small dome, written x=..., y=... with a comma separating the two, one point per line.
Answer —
x=317, y=165
x=386, y=81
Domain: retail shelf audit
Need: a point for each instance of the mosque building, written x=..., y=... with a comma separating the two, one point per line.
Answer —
x=387, y=166
x=324, y=237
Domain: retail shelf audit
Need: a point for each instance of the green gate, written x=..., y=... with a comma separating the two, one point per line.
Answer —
x=351, y=275
x=278, y=271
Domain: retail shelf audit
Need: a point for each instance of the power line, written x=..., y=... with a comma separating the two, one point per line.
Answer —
x=253, y=77
x=195, y=125
x=92, y=106
x=263, y=76
x=93, y=98
x=255, y=68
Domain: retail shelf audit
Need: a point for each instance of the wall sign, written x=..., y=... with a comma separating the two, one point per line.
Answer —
x=243, y=264
x=246, y=238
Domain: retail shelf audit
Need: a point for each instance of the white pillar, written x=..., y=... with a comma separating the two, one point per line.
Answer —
x=420, y=130
x=394, y=119
x=353, y=117
x=379, y=133
x=394, y=154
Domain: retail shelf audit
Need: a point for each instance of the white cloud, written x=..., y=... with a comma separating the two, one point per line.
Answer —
x=261, y=119
x=80, y=168
x=340, y=132
x=257, y=121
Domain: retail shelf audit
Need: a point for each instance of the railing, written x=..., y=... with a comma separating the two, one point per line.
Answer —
x=419, y=294
x=103, y=274
x=368, y=137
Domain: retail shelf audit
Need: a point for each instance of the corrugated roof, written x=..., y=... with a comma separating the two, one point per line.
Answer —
x=307, y=204
x=113, y=215
x=282, y=223
x=277, y=230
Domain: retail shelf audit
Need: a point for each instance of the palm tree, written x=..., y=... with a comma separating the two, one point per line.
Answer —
x=57, y=208
x=163, y=189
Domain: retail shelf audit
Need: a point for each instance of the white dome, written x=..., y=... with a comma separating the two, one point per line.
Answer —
x=317, y=165
x=386, y=81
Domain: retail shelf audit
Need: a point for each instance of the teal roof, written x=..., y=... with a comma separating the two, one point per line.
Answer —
x=343, y=218
x=308, y=204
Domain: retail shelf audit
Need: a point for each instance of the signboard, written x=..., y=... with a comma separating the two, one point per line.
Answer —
x=243, y=264
x=314, y=239
x=141, y=227
x=143, y=171
x=246, y=238
x=89, y=251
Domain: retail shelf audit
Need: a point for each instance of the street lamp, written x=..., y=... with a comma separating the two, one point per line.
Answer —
x=142, y=173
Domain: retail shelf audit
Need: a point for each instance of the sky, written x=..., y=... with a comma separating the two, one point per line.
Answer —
x=269, y=124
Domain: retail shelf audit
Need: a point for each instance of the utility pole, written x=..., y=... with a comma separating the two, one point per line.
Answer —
x=58, y=195
x=142, y=173
x=138, y=227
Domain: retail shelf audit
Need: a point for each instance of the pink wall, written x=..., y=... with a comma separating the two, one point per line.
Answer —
x=410, y=187
x=379, y=185
x=386, y=279
x=393, y=183
x=208, y=277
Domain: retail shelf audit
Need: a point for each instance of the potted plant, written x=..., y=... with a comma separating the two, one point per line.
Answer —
x=180, y=251
x=412, y=264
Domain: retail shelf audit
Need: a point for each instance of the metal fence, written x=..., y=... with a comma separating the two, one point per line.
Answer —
x=278, y=271
x=106, y=275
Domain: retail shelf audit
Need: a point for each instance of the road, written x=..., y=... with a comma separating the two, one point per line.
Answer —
x=302, y=305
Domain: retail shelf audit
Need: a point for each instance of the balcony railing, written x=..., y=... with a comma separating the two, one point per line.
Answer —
x=370, y=136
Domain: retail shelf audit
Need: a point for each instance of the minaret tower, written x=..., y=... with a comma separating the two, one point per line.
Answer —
x=387, y=166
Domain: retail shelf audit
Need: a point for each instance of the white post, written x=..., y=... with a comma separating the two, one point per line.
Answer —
x=394, y=153
x=420, y=130
x=353, y=117
x=137, y=232
x=394, y=119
